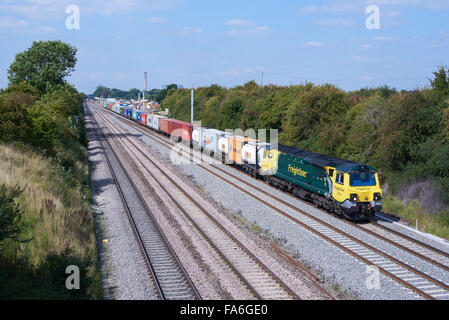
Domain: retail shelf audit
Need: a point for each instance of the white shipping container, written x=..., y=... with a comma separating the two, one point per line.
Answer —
x=210, y=139
x=196, y=136
x=150, y=120
x=252, y=152
x=157, y=121
x=223, y=145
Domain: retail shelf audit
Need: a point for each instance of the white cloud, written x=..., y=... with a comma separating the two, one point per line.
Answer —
x=437, y=44
x=47, y=29
x=239, y=23
x=314, y=44
x=385, y=38
x=52, y=9
x=431, y=5
x=366, y=46
x=339, y=22
x=190, y=30
x=248, y=31
x=245, y=28
x=361, y=59
x=240, y=71
x=358, y=6
x=335, y=7
x=156, y=20
x=11, y=22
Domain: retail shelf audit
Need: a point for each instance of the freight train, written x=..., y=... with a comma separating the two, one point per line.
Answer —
x=344, y=188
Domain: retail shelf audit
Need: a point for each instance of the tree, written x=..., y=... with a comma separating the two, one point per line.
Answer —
x=44, y=65
x=133, y=94
x=163, y=93
x=101, y=91
x=10, y=214
x=441, y=80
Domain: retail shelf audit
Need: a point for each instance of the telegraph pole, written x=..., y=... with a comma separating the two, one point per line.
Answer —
x=261, y=77
x=144, y=87
x=191, y=107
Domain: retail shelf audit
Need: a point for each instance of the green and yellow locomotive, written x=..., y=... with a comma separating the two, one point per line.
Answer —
x=343, y=187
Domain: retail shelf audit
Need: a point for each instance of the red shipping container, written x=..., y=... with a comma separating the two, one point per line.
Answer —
x=143, y=118
x=163, y=127
x=180, y=129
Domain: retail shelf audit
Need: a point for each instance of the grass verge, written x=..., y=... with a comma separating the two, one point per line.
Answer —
x=57, y=229
x=411, y=211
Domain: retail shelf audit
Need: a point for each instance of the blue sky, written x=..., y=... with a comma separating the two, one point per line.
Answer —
x=230, y=42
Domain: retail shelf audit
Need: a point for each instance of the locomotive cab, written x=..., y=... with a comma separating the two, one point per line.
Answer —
x=357, y=191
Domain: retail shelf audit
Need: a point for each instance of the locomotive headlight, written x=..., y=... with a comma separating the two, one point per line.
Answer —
x=377, y=196
x=353, y=197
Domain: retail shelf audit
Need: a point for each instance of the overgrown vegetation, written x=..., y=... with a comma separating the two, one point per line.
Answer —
x=404, y=134
x=45, y=217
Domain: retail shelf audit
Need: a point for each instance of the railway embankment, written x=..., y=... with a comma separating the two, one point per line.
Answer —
x=46, y=226
x=47, y=238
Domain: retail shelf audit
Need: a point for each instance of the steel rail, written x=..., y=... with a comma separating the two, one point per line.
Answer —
x=135, y=228
x=235, y=240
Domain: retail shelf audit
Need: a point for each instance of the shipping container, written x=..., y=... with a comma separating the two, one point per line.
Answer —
x=179, y=129
x=156, y=121
x=236, y=144
x=143, y=119
x=210, y=138
x=252, y=152
x=223, y=145
x=150, y=120
x=197, y=137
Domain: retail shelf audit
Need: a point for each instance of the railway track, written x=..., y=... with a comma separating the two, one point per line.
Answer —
x=254, y=274
x=407, y=275
x=415, y=247
x=171, y=281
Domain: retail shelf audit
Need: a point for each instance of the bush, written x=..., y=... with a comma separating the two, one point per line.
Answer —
x=45, y=124
x=21, y=280
x=10, y=214
x=14, y=122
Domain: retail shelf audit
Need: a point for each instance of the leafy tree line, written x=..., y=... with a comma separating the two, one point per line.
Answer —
x=154, y=94
x=40, y=112
x=404, y=134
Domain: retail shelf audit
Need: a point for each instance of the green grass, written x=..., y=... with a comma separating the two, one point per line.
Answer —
x=437, y=224
x=57, y=221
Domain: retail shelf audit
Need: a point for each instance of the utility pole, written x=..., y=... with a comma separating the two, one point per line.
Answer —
x=261, y=77
x=144, y=87
x=191, y=106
